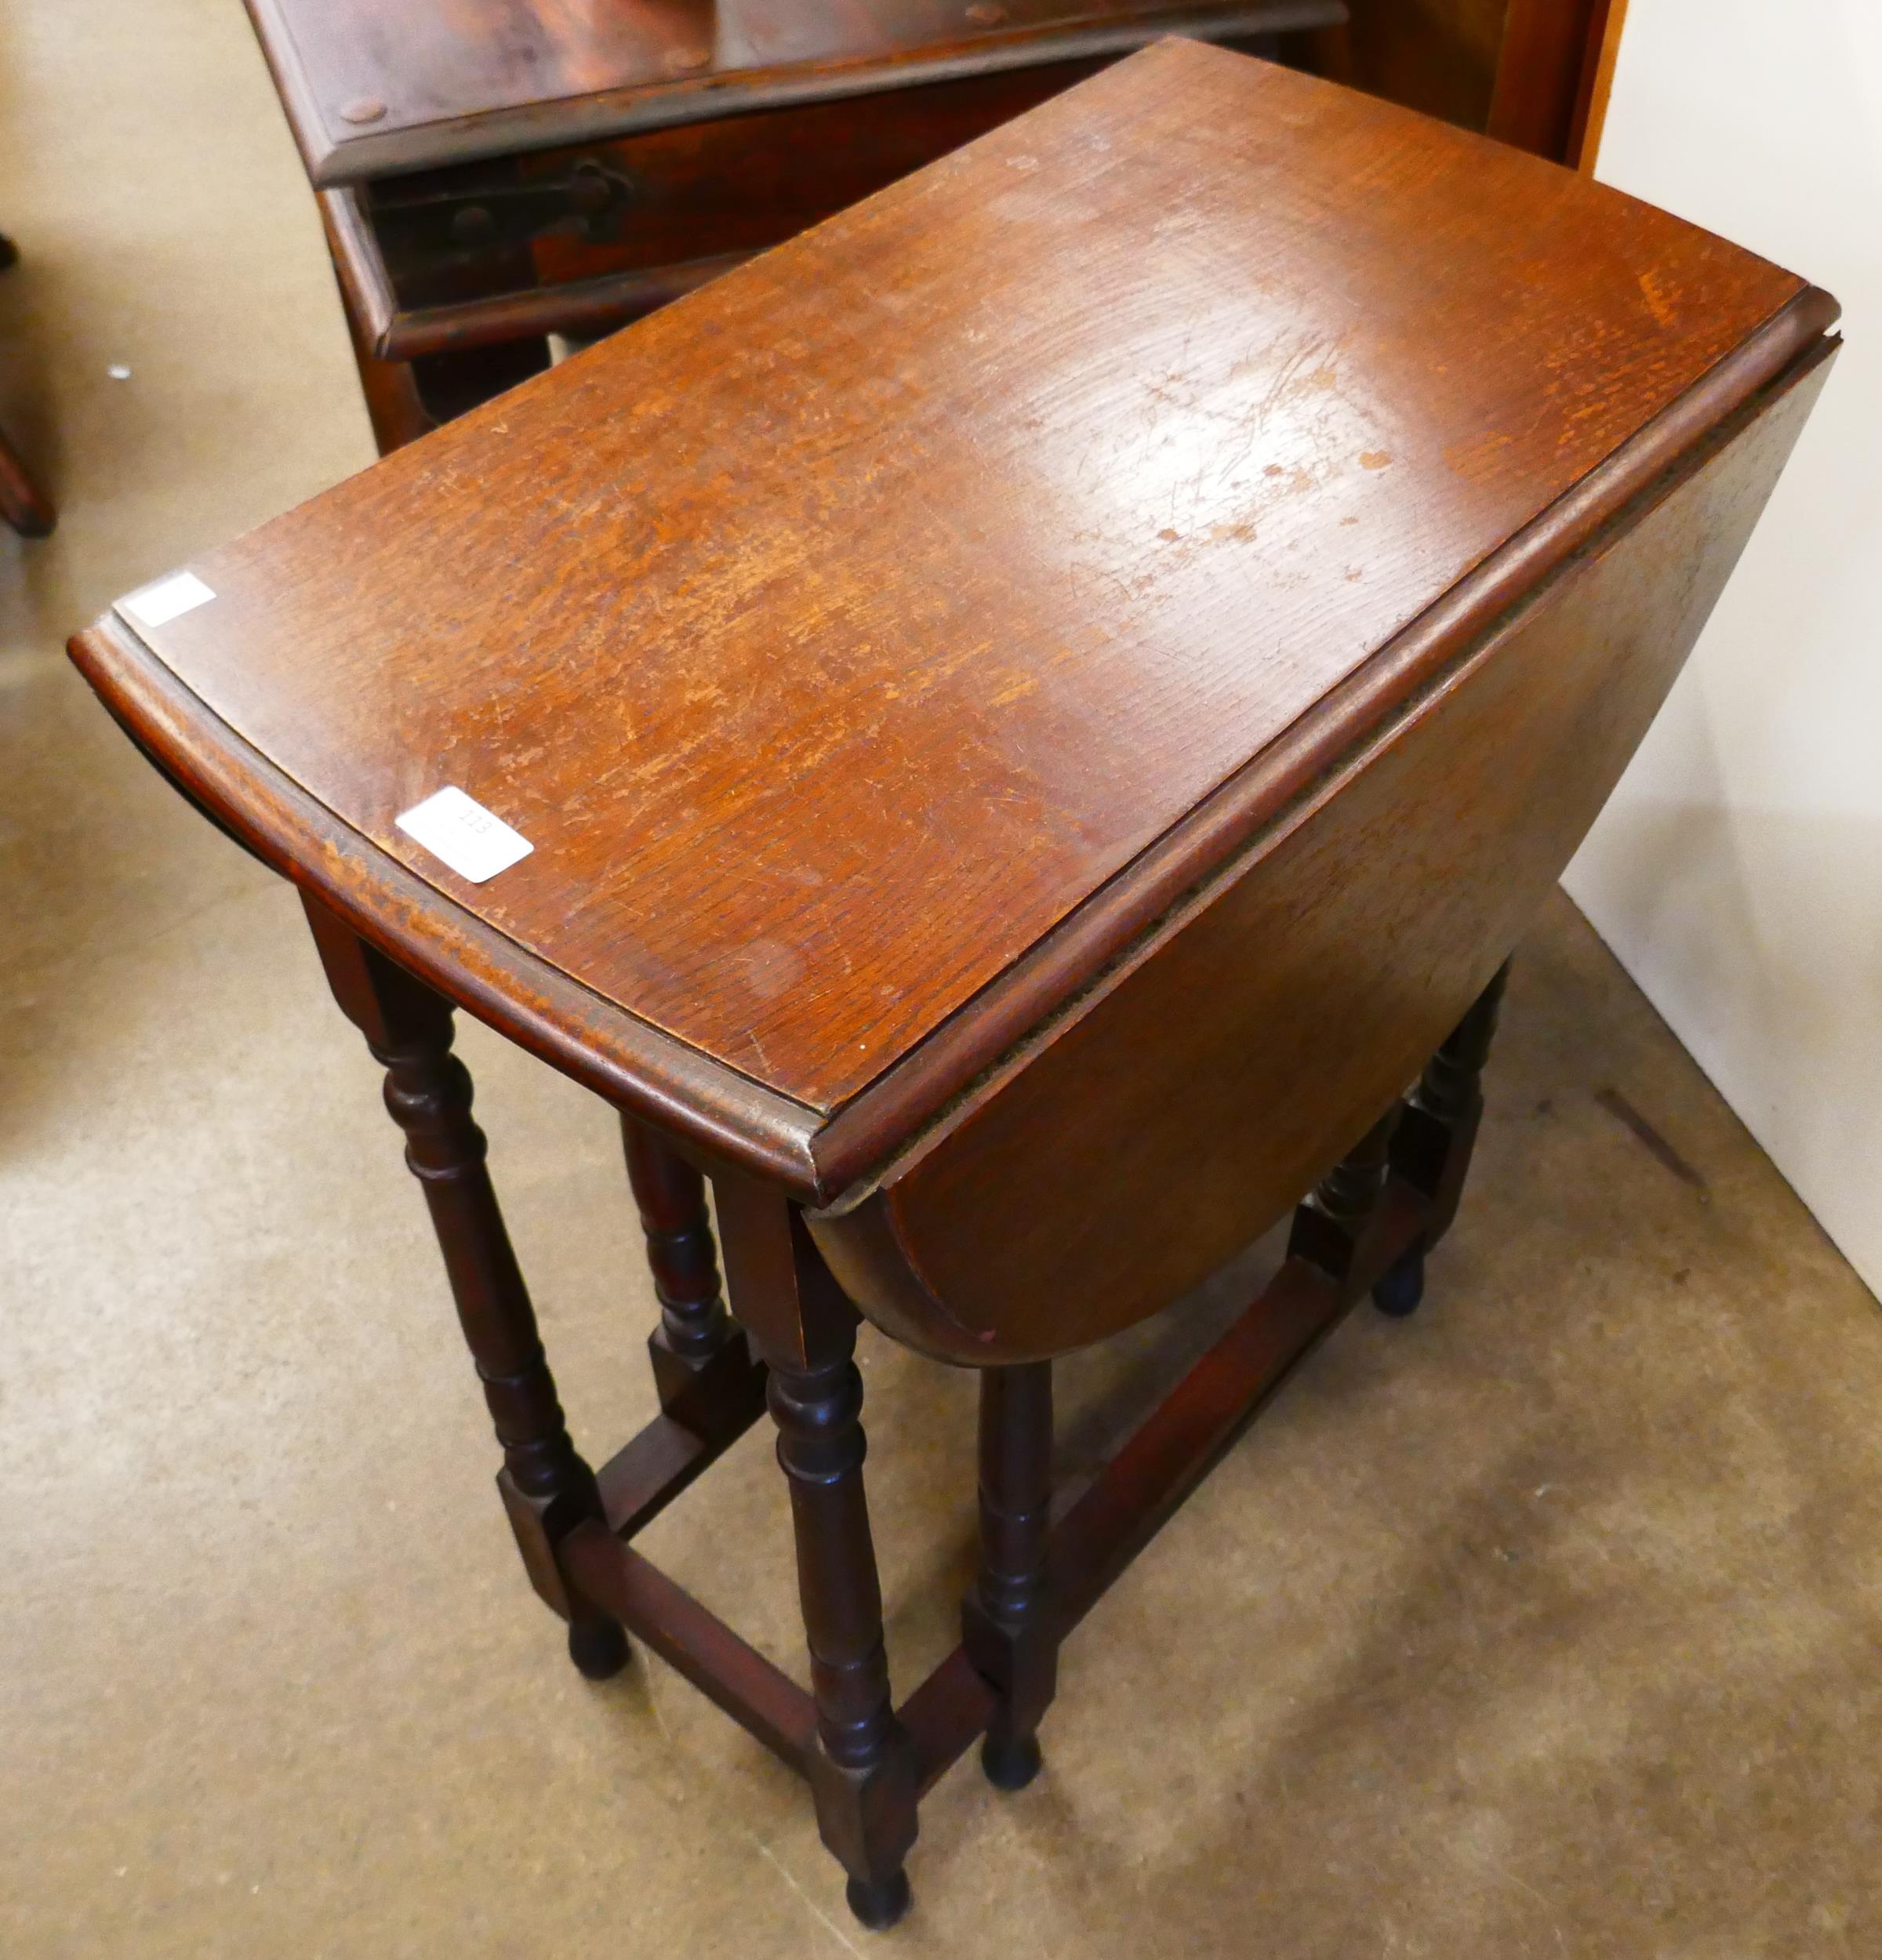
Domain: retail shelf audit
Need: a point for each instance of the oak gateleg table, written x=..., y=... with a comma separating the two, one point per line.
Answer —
x=1016, y=735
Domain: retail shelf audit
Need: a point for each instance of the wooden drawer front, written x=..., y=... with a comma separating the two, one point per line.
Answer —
x=669, y=196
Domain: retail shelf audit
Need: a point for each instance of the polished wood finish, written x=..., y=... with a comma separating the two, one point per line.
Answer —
x=682, y=205
x=547, y=1489
x=1529, y=72
x=581, y=237
x=1155, y=588
x=438, y=82
x=1009, y=1626
x=1041, y=708
x=1439, y=56
x=1591, y=110
x=1546, y=70
x=706, y=1378
x=863, y=1771
x=1309, y=981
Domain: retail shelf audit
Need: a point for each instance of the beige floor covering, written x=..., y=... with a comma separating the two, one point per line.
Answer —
x=1546, y=1624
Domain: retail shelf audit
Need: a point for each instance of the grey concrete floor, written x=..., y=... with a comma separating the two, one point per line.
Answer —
x=1547, y=1624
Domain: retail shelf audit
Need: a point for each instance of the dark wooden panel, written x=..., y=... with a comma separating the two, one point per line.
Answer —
x=371, y=89
x=1252, y=1044
x=1545, y=72
x=754, y=181
x=1436, y=56
x=1525, y=70
x=836, y=632
x=671, y=197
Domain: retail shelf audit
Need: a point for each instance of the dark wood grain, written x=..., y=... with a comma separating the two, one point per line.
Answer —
x=755, y=1692
x=1545, y=69
x=1439, y=56
x=863, y=1770
x=546, y=1488
x=692, y=202
x=1252, y=1038
x=1160, y=412
x=1009, y=1623
x=370, y=89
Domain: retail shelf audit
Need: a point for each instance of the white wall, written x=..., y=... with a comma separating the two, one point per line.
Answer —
x=1738, y=871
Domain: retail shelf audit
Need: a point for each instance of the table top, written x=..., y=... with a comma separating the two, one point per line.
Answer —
x=863, y=643
x=371, y=89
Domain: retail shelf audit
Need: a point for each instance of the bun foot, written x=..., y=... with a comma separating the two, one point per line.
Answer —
x=879, y=1903
x=1011, y=1762
x=598, y=1648
x=1399, y=1292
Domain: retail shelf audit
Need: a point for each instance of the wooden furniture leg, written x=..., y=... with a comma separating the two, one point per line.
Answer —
x=863, y=1767
x=1431, y=1148
x=1337, y=1226
x=1008, y=1620
x=22, y=504
x=703, y=1367
x=546, y=1489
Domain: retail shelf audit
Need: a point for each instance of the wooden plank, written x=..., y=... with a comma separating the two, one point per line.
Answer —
x=1177, y=1447
x=945, y=1716
x=1610, y=22
x=641, y=1479
x=372, y=90
x=732, y=1674
x=1542, y=74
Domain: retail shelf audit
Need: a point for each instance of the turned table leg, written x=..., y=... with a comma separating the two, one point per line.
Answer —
x=546, y=1487
x=864, y=1773
x=1432, y=1147
x=1332, y=1226
x=703, y=1367
x=1008, y=1618
x=22, y=504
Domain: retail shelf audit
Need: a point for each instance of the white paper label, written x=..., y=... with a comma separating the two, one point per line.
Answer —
x=475, y=844
x=167, y=599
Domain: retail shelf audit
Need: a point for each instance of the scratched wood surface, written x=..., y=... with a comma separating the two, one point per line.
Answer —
x=1187, y=1109
x=371, y=88
x=837, y=631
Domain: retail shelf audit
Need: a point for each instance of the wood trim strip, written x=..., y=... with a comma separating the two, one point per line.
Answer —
x=731, y=1673
x=1151, y=896
x=945, y=1716
x=645, y=1476
x=583, y=307
x=1146, y=1482
x=1166, y=1456
x=1591, y=111
x=360, y=266
x=1541, y=75
x=356, y=158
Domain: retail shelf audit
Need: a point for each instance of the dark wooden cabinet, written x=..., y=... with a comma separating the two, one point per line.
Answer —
x=1525, y=71
x=490, y=175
